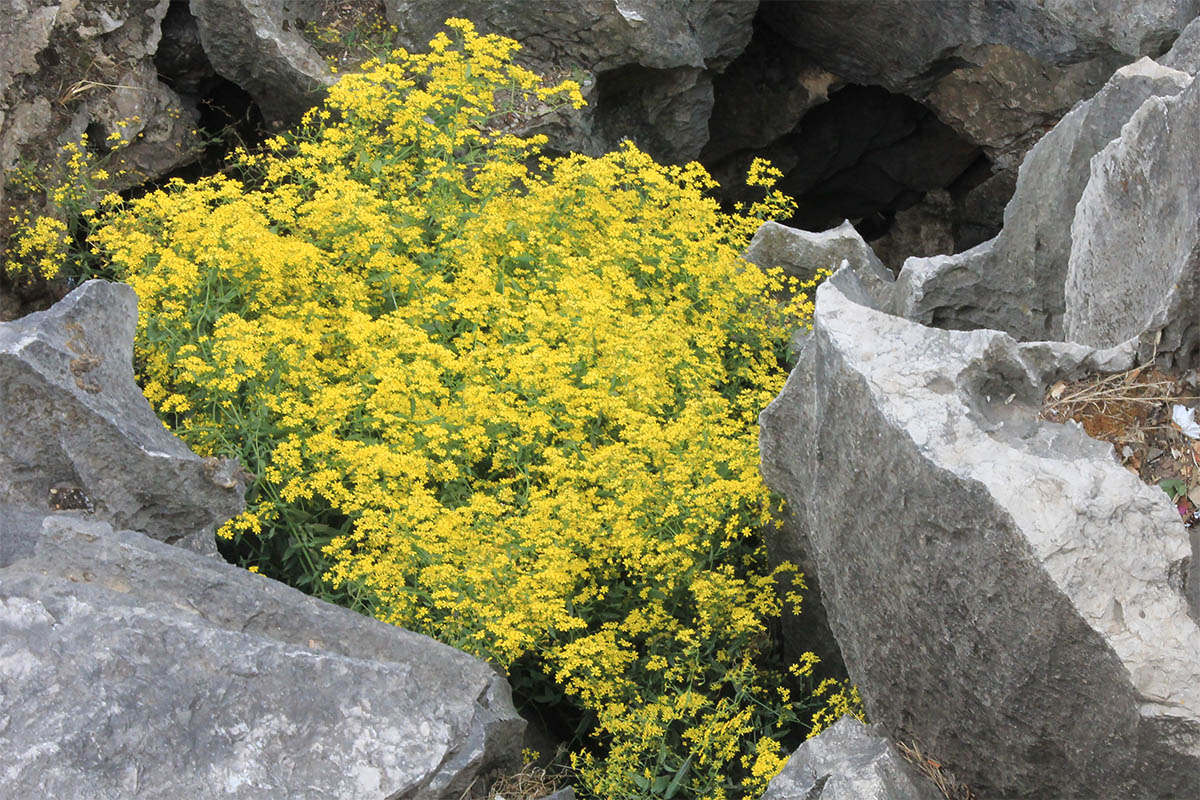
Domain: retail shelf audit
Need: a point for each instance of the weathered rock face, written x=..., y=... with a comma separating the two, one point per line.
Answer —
x=70, y=67
x=76, y=431
x=133, y=668
x=1134, y=269
x=849, y=761
x=1016, y=281
x=924, y=229
x=600, y=34
x=909, y=45
x=650, y=63
x=1004, y=591
x=997, y=75
x=1004, y=99
x=257, y=45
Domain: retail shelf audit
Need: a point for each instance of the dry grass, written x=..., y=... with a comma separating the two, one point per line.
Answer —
x=950, y=787
x=1132, y=411
x=531, y=783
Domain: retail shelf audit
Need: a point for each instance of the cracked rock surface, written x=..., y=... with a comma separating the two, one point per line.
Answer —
x=134, y=669
x=77, y=432
x=1001, y=589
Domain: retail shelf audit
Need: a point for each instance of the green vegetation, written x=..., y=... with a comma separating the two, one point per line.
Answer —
x=506, y=401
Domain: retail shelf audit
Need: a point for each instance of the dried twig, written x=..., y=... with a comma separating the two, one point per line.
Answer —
x=81, y=87
x=950, y=787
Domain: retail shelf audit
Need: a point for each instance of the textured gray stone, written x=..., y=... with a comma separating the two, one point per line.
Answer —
x=567, y=793
x=600, y=34
x=132, y=668
x=1002, y=589
x=1004, y=99
x=1184, y=54
x=998, y=74
x=1015, y=282
x=66, y=66
x=1134, y=269
x=908, y=44
x=255, y=44
x=923, y=229
x=75, y=426
x=802, y=253
x=649, y=63
x=849, y=761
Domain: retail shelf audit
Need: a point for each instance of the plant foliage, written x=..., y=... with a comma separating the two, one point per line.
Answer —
x=503, y=400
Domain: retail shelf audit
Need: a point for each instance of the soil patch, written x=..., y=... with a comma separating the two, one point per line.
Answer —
x=1133, y=411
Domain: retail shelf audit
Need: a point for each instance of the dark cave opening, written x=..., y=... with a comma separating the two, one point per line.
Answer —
x=908, y=182
x=881, y=160
x=227, y=116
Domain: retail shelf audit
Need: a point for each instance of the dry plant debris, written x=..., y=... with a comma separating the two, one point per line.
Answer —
x=942, y=778
x=1132, y=411
x=531, y=783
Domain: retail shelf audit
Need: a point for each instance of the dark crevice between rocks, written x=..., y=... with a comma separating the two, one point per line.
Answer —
x=676, y=100
x=228, y=115
x=906, y=180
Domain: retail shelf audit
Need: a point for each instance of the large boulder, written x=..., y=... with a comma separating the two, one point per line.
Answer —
x=849, y=761
x=1000, y=74
x=134, y=668
x=649, y=63
x=1002, y=589
x=1015, y=282
x=907, y=45
x=997, y=76
x=1134, y=267
x=257, y=44
x=77, y=433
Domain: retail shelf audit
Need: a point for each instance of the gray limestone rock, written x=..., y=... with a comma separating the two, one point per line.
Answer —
x=649, y=63
x=77, y=433
x=67, y=67
x=135, y=669
x=849, y=761
x=1015, y=282
x=923, y=229
x=1184, y=54
x=256, y=44
x=1134, y=269
x=1002, y=589
x=562, y=794
x=907, y=45
x=1004, y=99
x=802, y=253
x=601, y=35
x=998, y=74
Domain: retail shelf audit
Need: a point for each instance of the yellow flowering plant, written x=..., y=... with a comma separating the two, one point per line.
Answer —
x=503, y=400
x=41, y=244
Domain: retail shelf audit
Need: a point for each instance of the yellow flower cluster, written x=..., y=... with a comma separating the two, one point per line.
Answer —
x=42, y=243
x=504, y=401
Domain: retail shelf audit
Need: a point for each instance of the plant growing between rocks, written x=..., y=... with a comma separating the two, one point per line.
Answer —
x=505, y=401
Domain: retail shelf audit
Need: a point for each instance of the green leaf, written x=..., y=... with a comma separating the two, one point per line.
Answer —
x=677, y=781
x=1174, y=487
